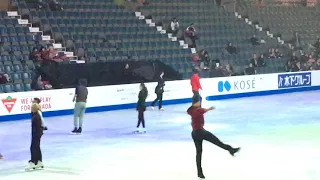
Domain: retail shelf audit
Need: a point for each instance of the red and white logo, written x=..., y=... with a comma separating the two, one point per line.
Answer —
x=9, y=103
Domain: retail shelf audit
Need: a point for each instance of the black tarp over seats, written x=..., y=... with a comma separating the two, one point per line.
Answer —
x=110, y=73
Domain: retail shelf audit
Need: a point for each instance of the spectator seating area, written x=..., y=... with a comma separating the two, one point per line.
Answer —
x=215, y=28
x=107, y=33
x=286, y=19
x=294, y=22
x=15, y=45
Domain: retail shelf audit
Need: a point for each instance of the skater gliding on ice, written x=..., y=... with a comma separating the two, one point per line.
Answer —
x=80, y=97
x=195, y=83
x=199, y=133
x=159, y=91
x=37, y=132
x=141, y=107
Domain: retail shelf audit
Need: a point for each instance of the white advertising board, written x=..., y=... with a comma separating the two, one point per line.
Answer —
x=56, y=100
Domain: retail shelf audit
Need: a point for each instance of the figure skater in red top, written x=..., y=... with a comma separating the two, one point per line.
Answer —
x=195, y=83
x=199, y=133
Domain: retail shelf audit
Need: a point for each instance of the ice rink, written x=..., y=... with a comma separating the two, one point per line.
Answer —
x=279, y=136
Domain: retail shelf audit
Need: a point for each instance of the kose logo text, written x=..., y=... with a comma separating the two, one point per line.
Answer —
x=236, y=85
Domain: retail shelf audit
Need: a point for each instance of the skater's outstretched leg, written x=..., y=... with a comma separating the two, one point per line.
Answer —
x=208, y=136
x=198, y=144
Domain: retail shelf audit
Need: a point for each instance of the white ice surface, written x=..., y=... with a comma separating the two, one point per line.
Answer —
x=107, y=149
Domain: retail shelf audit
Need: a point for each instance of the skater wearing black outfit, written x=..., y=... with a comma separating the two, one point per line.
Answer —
x=141, y=107
x=37, y=132
x=199, y=133
x=159, y=91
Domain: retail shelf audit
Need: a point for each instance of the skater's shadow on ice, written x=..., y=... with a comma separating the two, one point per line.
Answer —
x=51, y=170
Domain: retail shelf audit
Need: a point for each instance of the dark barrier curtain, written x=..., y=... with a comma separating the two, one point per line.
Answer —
x=111, y=73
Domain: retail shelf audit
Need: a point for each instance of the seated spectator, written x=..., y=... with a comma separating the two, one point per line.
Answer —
x=4, y=78
x=304, y=67
x=260, y=4
x=317, y=65
x=288, y=66
x=250, y=70
x=195, y=59
x=44, y=54
x=35, y=55
x=41, y=5
x=53, y=55
x=278, y=53
x=228, y=70
x=317, y=44
x=294, y=58
x=174, y=27
x=272, y=53
x=304, y=57
x=295, y=67
x=257, y=61
x=311, y=59
x=254, y=40
x=191, y=33
x=204, y=59
x=38, y=84
x=231, y=48
x=55, y=5
x=254, y=61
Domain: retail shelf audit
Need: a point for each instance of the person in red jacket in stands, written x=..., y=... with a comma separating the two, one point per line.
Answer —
x=199, y=133
x=195, y=83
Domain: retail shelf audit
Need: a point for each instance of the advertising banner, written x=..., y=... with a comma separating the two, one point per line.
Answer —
x=244, y=84
x=294, y=80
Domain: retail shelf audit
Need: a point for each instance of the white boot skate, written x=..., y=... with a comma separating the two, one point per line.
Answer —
x=31, y=166
x=40, y=165
x=143, y=130
x=137, y=130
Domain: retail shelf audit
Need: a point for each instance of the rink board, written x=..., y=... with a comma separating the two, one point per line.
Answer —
x=16, y=106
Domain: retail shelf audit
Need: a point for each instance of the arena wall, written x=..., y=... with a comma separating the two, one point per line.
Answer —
x=16, y=106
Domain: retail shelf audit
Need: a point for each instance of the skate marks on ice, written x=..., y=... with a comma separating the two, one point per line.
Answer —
x=50, y=170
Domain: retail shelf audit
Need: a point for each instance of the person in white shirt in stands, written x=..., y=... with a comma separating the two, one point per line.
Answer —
x=174, y=26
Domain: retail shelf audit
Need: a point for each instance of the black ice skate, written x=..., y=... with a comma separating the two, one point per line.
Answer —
x=75, y=130
x=200, y=175
x=79, y=131
x=233, y=151
x=45, y=128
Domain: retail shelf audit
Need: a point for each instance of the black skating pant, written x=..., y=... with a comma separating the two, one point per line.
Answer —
x=198, y=136
x=159, y=98
x=197, y=95
x=36, y=154
x=141, y=118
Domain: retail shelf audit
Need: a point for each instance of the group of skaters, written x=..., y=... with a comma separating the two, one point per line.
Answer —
x=81, y=93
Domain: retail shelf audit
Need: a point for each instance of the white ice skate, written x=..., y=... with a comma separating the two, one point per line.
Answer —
x=143, y=130
x=39, y=165
x=152, y=107
x=161, y=109
x=31, y=166
x=140, y=131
